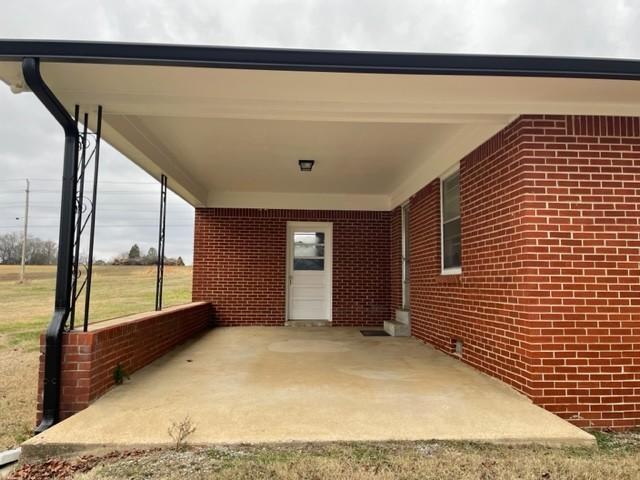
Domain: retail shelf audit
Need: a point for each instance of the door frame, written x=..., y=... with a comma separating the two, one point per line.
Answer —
x=328, y=261
x=405, y=239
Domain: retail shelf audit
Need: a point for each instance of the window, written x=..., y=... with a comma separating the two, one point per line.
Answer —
x=451, y=242
x=308, y=251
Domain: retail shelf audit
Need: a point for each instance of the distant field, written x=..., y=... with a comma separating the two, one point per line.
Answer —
x=25, y=310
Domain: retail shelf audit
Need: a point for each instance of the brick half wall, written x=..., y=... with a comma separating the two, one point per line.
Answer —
x=89, y=359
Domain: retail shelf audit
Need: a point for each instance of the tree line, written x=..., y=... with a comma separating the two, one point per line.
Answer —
x=45, y=252
x=39, y=252
x=135, y=257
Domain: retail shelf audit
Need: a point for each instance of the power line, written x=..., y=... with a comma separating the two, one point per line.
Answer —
x=37, y=205
x=56, y=180
x=104, y=207
x=99, y=191
x=118, y=210
x=128, y=225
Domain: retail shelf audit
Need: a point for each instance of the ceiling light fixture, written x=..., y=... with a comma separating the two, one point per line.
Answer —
x=306, y=165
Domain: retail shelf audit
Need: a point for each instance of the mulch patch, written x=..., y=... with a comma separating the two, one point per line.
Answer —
x=61, y=468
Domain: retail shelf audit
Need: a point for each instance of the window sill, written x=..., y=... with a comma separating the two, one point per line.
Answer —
x=449, y=277
x=451, y=271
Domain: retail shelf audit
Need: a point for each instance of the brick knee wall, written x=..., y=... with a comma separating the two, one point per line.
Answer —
x=89, y=359
x=240, y=264
x=549, y=296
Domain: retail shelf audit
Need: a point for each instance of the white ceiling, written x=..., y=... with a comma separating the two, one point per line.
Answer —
x=233, y=137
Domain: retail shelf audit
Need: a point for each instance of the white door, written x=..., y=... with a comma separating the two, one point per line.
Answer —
x=309, y=271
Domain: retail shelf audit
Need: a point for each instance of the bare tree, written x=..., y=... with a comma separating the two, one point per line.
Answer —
x=10, y=248
x=38, y=252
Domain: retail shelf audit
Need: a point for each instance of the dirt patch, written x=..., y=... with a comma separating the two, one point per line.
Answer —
x=60, y=468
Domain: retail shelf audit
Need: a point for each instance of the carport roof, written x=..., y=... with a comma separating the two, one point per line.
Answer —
x=228, y=125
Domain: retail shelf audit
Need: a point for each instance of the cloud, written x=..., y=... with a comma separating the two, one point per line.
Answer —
x=551, y=27
x=31, y=147
x=31, y=141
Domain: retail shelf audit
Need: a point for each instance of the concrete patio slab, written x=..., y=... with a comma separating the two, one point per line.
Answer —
x=269, y=384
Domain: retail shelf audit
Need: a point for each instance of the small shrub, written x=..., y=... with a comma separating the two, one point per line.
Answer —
x=119, y=374
x=180, y=430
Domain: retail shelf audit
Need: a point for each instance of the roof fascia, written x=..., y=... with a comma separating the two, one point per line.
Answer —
x=319, y=60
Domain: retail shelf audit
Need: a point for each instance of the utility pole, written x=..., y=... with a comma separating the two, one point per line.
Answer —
x=24, y=238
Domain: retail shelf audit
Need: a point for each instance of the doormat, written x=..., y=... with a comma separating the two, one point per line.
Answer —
x=374, y=333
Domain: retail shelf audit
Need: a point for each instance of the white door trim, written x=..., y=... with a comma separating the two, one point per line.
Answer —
x=328, y=259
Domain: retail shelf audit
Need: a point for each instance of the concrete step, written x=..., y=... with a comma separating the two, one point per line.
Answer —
x=307, y=323
x=402, y=316
x=397, y=329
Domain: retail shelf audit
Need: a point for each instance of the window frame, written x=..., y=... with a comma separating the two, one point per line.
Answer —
x=445, y=176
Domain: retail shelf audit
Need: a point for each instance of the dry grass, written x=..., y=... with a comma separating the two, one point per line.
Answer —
x=19, y=374
x=25, y=311
x=360, y=461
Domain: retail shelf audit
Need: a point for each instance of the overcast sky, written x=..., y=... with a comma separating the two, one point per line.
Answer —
x=31, y=141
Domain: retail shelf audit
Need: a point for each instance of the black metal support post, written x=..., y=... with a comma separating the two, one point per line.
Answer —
x=92, y=230
x=80, y=170
x=85, y=210
x=161, y=238
x=53, y=346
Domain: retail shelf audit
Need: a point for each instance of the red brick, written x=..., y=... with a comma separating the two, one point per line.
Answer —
x=134, y=344
x=240, y=264
x=519, y=275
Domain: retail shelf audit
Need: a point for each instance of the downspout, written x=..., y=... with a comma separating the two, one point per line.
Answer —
x=53, y=344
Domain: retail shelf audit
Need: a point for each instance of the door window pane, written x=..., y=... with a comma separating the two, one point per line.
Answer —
x=308, y=238
x=308, y=251
x=305, y=250
x=314, y=264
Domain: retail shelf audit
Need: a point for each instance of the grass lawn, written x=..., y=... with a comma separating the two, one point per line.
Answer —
x=26, y=309
x=618, y=457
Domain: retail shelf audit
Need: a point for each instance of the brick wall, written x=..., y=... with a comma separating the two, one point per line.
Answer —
x=549, y=298
x=89, y=358
x=240, y=264
x=583, y=267
x=483, y=307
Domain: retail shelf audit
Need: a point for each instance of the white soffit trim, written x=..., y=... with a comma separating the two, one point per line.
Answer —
x=298, y=201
